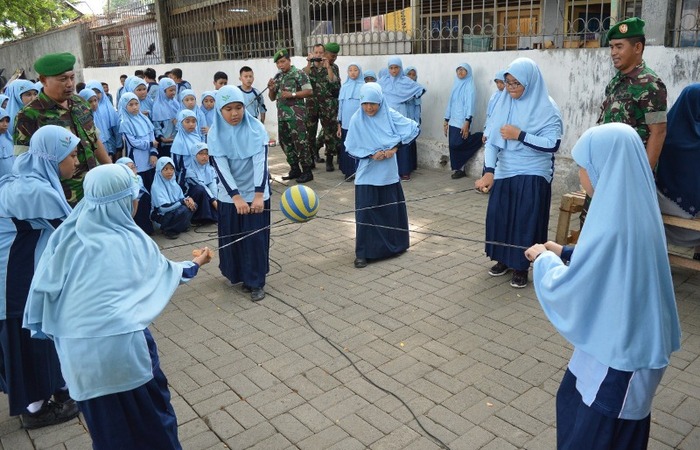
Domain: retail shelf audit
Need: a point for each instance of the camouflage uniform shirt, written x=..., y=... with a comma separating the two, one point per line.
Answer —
x=291, y=109
x=637, y=98
x=324, y=89
x=77, y=119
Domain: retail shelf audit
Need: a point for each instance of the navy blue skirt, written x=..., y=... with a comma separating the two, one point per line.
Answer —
x=143, y=213
x=248, y=260
x=31, y=370
x=373, y=242
x=176, y=221
x=413, y=152
x=139, y=419
x=205, y=211
x=462, y=150
x=404, y=161
x=517, y=214
x=580, y=427
x=348, y=164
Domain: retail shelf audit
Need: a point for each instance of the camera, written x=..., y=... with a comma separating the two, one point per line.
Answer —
x=315, y=59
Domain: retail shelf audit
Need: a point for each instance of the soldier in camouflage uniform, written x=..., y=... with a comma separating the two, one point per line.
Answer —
x=289, y=88
x=636, y=95
x=58, y=105
x=323, y=104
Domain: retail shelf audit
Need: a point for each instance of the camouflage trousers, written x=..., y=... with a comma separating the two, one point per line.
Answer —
x=293, y=138
x=327, y=113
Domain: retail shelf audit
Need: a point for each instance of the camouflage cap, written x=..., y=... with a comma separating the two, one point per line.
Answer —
x=628, y=28
x=332, y=47
x=282, y=53
x=54, y=64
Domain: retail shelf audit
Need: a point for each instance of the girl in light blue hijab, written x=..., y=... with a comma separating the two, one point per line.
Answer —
x=139, y=87
x=100, y=329
x=348, y=105
x=164, y=114
x=370, y=76
x=524, y=132
x=398, y=91
x=7, y=153
x=32, y=206
x=209, y=114
x=614, y=300
x=109, y=117
x=187, y=136
x=143, y=212
x=4, y=100
x=171, y=210
x=413, y=110
x=458, y=119
x=90, y=98
x=20, y=93
x=188, y=100
x=376, y=131
x=238, y=153
x=201, y=184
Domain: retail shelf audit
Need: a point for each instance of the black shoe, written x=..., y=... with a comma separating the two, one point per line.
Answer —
x=246, y=288
x=519, y=279
x=329, y=164
x=457, y=174
x=171, y=235
x=293, y=174
x=305, y=177
x=62, y=396
x=51, y=413
x=257, y=294
x=360, y=263
x=498, y=269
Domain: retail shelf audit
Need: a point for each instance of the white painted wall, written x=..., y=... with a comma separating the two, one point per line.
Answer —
x=576, y=79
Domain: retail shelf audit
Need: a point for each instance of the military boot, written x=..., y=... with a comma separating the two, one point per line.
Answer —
x=329, y=163
x=306, y=176
x=294, y=173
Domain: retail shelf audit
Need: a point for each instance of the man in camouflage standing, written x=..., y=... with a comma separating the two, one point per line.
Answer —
x=323, y=104
x=636, y=95
x=57, y=104
x=289, y=88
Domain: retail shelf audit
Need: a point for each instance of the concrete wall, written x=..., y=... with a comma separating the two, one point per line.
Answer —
x=22, y=54
x=576, y=79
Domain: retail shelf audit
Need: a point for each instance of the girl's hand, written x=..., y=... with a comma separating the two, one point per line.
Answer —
x=509, y=132
x=241, y=205
x=152, y=160
x=202, y=256
x=533, y=252
x=483, y=139
x=465, y=129
x=258, y=205
x=554, y=247
x=445, y=127
x=484, y=183
x=339, y=133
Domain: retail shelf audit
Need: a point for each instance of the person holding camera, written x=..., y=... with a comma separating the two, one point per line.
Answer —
x=323, y=104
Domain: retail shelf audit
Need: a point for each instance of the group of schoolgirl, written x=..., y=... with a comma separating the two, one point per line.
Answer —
x=17, y=94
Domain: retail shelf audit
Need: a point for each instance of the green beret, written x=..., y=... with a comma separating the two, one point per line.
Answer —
x=54, y=64
x=632, y=27
x=332, y=47
x=283, y=53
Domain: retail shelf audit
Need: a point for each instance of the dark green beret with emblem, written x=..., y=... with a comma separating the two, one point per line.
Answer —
x=283, y=53
x=628, y=28
x=332, y=47
x=54, y=64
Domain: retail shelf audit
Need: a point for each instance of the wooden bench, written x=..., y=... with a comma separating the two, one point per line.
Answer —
x=572, y=203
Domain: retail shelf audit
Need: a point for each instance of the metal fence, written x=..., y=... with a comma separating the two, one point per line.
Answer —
x=123, y=36
x=205, y=30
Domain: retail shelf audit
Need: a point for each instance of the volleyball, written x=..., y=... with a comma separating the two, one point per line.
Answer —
x=299, y=203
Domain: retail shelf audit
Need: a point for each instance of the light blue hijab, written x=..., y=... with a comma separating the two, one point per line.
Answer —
x=241, y=141
x=184, y=140
x=33, y=190
x=86, y=94
x=204, y=173
x=137, y=124
x=383, y=73
x=164, y=108
x=6, y=142
x=14, y=92
x=4, y=97
x=104, y=108
x=99, y=237
x=199, y=115
x=500, y=75
x=165, y=191
x=399, y=89
x=209, y=114
x=615, y=300
x=125, y=160
x=387, y=128
x=351, y=88
x=369, y=73
x=131, y=84
x=38, y=86
x=462, y=97
x=532, y=112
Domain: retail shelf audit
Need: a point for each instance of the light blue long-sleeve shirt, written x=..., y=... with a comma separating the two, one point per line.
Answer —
x=242, y=177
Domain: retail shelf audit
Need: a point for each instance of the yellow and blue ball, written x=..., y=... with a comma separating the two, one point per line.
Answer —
x=299, y=203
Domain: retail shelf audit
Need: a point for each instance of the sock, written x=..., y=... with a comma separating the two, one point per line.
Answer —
x=35, y=407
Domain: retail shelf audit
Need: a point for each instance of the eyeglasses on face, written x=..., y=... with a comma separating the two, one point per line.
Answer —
x=513, y=84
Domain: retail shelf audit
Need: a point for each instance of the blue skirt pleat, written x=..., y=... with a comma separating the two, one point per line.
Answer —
x=176, y=221
x=139, y=419
x=517, y=214
x=31, y=369
x=403, y=159
x=413, y=152
x=462, y=150
x=348, y=164
x=248, y=260
x=205, y=211
x=375, y=242
x=580, y=427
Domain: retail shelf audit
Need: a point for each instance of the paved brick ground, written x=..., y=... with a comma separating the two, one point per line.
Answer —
x=475, y=359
